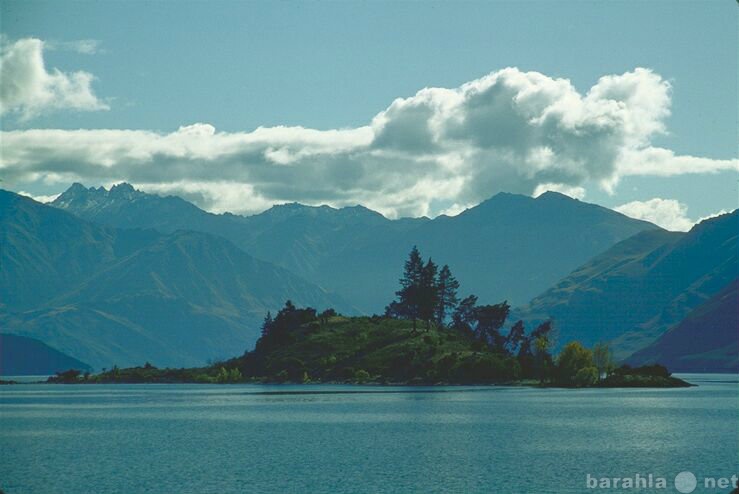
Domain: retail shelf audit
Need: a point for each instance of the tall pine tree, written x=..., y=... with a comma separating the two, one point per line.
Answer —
x=267, y=324
x=447, y=287
x=409, y=294
x=428, y=299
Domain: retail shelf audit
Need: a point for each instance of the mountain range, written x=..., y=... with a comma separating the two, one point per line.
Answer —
x=123, y=296
x=119, y=276
x=510, y=247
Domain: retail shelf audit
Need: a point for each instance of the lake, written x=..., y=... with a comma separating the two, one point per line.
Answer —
x=360, y=439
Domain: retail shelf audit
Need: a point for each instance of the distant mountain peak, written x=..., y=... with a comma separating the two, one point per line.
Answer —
x=76, y=188
x=291, y=209
x=553, y=195
x=122, y=187
x=78, y=195
x=505, y=195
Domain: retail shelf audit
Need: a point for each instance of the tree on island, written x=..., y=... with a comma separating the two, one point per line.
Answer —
x=409, y=295
x=464, y=314
x=447, y=286
x=276, y=332
x=515, y=337
x=476, y=349
x=428, y=294
x=603, y=360
x=267, y=323
x=575, y=366
x=489, y=319
x=534, y=352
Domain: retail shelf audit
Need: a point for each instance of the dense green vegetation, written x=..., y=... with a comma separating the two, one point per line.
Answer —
x=372, y=349
x=149, y=374
x=331, y=348
x=426, y=336
x=459, y=342
x=648, y=376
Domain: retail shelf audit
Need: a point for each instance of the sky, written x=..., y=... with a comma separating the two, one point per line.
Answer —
x=409, y=108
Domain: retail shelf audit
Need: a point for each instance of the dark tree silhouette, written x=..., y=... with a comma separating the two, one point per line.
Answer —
x=326, y=315
x=541, y=342
x=267, y=324
x=278, y=329
x=515, y=337
x=490, y=319
x=463, y=318
x=447, y=287
x=428, y=294
x=394, y=310
x=409, y=293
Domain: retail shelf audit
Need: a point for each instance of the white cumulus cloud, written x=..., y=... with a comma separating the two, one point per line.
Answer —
x=440, y=150
x=667, y=213
x=29, y=89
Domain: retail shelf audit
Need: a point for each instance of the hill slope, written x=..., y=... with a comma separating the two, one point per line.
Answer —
x=707, y=340
x=21, y=356
x=113, y=296
x=509, y=247
x=636, y=290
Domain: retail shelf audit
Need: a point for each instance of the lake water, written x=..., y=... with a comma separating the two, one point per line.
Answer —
x=355, y=439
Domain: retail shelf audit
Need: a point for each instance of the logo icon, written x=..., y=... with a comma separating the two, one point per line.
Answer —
x=685, y=482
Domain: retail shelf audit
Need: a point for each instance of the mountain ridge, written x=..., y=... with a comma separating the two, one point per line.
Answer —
x=635, y=291
x=22, y=356
x=353, y=250
x=174, y=299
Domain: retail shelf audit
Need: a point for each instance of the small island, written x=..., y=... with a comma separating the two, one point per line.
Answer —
x=427, y=336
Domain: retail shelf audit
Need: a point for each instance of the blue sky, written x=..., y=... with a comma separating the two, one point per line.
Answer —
x=336, y=65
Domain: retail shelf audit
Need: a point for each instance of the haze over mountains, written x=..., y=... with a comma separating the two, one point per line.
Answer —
x=122, y=296
x=510, y=247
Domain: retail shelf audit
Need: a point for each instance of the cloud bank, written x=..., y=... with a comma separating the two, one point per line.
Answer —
x=440, y=150
x=667, y=213
x=28, y=89
x=39, y=198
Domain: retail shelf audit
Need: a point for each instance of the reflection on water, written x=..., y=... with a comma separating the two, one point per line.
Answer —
x=342, y=439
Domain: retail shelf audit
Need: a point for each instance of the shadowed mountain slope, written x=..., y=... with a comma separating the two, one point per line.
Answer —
x=639, y=288
x=123, y=296
x=21, y=356
x=707, y=340
x=509, y=247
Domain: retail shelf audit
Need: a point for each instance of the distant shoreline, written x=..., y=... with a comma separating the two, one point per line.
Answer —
x=673, y=382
